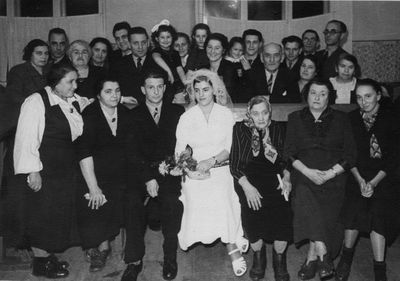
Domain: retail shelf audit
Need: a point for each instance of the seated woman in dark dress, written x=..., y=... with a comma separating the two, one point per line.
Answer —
x=320, y=145
x=371, y=191
x=216, y=45
x=257, y=166
x=102, y=162
x=45, y=168
x=79, y=52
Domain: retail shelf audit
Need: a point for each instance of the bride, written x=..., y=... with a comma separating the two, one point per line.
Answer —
x=211, y=206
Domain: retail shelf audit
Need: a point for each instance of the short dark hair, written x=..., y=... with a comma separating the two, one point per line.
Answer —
x=103, y=40
x=369, y=82
x=320, y=82
x=219, y=37
x=343, y=27
x=163, y=28
x=30, y=47
x=234, y=40
x=155, y=75
x=57, y=30
x=314, y=60
x=58, y=72
x=310, y=31
x=352, y=59
x=253, y=32
x=138, y=30
x=291, y=39
x=183, y=35
x=121, y=25
x=100, y=84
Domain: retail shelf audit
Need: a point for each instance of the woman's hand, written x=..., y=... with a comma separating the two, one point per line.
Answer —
x=328, y=175
x=205, y=165
x=368, y=190
x=316, y=176
x=253, y=196
x=34, y=181
x=197, y=175
x=245, y=63
x=96, y=198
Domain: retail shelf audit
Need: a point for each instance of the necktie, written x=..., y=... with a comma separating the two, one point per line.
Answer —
x=139, y=64
x=269, y=84
x=290, y=64
x=156, y=115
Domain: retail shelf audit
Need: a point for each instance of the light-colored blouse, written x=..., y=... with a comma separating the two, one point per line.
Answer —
x=31, y=125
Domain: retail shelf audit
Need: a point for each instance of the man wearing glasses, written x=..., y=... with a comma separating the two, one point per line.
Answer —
x=334, y=34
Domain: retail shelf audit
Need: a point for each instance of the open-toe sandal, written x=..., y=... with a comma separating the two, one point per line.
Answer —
x=239, y=265
x=243, y=244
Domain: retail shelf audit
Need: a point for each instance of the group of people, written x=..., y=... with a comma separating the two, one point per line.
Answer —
x=95, y=124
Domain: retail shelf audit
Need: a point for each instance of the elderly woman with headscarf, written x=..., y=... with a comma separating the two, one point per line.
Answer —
x=261, y=179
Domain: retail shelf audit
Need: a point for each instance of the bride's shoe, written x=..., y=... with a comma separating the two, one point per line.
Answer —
x=243, y=244
x=239, y=265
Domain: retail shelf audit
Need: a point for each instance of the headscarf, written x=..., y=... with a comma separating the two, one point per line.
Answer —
x=270, y=151
x=369, y=121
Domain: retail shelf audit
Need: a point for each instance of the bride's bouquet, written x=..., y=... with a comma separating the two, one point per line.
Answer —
x=182, y=165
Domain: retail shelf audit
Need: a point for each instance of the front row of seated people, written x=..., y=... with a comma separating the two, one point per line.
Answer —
x=331, y=175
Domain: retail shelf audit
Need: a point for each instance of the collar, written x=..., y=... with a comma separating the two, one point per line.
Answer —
x=153, y=107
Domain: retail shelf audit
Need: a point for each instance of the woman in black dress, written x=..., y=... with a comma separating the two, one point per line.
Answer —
x=45, y=167
x=320, y=145
x=102, y=162
x=371, y=191
x=257, y=166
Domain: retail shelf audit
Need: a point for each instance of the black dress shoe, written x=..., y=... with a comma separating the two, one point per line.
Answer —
x=170, y=269
x=344, y=266
x=308, y=271
x=326, y=268
x=132, y=271
x=48, y=268
x=61, y=264
x=257, y=270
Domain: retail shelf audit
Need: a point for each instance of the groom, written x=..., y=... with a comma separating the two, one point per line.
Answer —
x=151, y=139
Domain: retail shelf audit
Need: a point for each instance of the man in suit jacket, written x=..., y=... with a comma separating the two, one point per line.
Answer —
x=270, y=79
x=129, y=70
x=150, y=140
x=335, y=33
x=292, y=47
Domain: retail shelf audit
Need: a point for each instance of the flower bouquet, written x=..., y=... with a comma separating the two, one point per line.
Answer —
x=182, y=165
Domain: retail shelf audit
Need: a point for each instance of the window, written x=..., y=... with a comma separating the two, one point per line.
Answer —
x=34, y=8
x=80, y=7
x=264, y=10
x=303, y=9
x=3, y=7
x=223, y=9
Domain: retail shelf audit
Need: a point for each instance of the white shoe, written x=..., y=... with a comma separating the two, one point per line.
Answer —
x=239, y=265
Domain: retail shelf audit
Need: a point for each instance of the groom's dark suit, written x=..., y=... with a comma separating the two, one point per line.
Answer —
x=148, y=145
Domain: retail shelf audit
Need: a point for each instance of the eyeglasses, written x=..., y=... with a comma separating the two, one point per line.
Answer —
x=331, y=32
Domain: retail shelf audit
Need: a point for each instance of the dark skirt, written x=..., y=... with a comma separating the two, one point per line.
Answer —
x=96, y=226
x=273, y=221
x=317, y=211
x=377, y=213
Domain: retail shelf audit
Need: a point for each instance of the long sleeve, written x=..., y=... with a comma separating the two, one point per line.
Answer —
x=237, y=155
x=181, y=140
x=291, y=149
x=29, y=135
x=87, y=141
x=350, y=150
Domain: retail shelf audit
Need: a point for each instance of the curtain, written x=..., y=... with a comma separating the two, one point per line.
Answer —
x=22, y=30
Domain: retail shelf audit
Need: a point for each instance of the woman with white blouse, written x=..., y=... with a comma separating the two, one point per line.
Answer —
x=44, y=161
